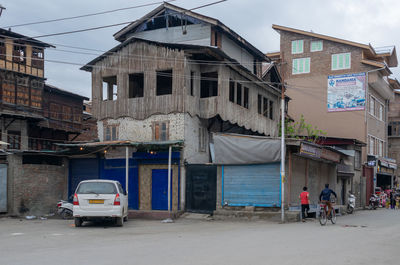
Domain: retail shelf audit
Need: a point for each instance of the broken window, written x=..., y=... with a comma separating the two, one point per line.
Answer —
x=14, y=139
x=246, y=97
x=37, y=57
x=271, y=109
x=239, y=94
x=265, y=107
x=161, y=131
x=209, y=85
x=136, y=85
x=2, y=49
x=231, y=90
x=259, y=104
x=164, y=83
x=19, y=55
x=110, y=88
x=192, y=83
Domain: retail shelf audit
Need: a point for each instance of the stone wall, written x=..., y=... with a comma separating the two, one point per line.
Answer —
x=35, y=189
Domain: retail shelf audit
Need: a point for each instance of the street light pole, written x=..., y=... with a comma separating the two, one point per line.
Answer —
x=283, y=146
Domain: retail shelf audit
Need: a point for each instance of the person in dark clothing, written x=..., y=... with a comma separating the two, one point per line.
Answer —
x=325, y=197
x=305, y=203
x=392, y=200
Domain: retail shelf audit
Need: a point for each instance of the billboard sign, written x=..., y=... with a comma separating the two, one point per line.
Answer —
x=346, y=92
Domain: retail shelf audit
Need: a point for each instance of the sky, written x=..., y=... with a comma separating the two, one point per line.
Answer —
x=365, y=21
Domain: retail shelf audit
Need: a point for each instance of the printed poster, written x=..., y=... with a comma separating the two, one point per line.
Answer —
x=346, y=92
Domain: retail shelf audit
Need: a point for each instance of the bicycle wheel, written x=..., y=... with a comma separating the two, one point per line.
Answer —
x=333, y=216
x=322, y=217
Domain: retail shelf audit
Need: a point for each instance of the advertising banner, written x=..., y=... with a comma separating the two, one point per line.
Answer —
x=346, y=92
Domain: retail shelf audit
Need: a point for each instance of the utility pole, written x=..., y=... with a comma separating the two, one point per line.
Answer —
x=283, y=146
x=1, y=9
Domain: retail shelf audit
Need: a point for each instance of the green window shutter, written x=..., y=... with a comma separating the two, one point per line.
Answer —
x=334, y=62
x=347, y=60
x=320, y=45
x=294, y=66
x=294, y=46
x=313, y=44
x=301, y=65
x=307, y=66
x=341, y=61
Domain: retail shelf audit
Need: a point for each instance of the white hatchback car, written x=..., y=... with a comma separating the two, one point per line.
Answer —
x=100, y=199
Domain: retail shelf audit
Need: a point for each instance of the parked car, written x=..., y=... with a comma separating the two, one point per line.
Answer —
x=100, y=199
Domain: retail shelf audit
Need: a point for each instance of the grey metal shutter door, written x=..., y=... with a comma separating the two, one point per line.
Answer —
x=252, y=185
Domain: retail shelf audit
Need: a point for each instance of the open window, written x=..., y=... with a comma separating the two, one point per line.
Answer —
x=209, y=85
x=246, y=97
x=239, y=94
x=2, y=49
x=231, y=90
x=164, y=83
x=136, y=85
x=14, y=139
x=192, y=83
x=110, y=88
x=19, y=54
x=37, y=58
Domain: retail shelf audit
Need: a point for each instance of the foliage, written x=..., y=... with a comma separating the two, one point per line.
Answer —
x=302, y=130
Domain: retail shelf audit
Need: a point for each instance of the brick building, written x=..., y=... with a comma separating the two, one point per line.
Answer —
x=341, y=87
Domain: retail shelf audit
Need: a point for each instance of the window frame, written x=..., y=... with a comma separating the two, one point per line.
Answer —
x=158, y=132
x=296, y=46
x=340, y=57
x=318, y=49
x=303, y=62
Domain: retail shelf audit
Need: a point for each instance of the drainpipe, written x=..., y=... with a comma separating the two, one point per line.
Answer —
x=169, y=179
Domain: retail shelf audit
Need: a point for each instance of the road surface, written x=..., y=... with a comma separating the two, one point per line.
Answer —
x=366, y=237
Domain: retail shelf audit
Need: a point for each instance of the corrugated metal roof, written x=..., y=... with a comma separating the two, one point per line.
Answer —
x=384, y=49
x=121, y=143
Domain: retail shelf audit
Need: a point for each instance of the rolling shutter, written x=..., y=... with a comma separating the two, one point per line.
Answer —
x=251, y=185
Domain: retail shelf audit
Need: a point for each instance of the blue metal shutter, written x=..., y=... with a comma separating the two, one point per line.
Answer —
x=82, y=169
x=251, y=185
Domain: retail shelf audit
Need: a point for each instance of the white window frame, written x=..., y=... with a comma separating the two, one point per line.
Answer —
x=376, y=146
x=296, y=45
x=372, y=101
x=371, y=145
x=301, y=64
x=337, y=59
x=318, y=47
x=381, y=111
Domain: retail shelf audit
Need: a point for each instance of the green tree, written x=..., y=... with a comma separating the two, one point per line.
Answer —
x=301, y=130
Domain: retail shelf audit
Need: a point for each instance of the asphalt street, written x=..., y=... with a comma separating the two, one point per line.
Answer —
x=366, y=237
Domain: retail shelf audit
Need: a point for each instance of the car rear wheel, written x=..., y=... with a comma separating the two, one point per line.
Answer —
x=78, y=222
x=126, y=218
x=119, y=221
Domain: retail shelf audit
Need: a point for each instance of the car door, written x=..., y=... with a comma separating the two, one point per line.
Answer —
x=124, y=197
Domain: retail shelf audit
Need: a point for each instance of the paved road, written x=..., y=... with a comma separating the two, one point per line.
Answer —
x=367, y=237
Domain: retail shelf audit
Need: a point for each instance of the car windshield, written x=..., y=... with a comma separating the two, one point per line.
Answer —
x=97, y=188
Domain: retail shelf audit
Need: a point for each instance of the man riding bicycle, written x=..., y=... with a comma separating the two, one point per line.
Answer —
x=325, y=197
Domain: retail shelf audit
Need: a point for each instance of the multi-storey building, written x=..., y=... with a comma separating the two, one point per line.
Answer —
x=179, y=76
x=339, y=86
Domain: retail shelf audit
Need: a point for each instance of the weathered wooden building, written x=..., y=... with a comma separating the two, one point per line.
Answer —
x=179, y=75
x=33, y=117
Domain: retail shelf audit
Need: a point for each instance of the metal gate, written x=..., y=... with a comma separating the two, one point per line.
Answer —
x=82, y=169
x=159, y=189
x=201, y=183
x=3, y=188
x=251, y=185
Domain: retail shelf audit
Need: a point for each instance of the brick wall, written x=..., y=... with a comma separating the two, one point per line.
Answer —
x=34, y=189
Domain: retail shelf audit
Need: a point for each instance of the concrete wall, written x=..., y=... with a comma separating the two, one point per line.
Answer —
x=35, y=189
x=145, y=186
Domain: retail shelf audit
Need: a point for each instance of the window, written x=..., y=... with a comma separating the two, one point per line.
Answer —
x=22, y=91
x=14, y=139
x=341, y=61
x=55, y=111
x=2, y=49
x=202, y=139
x=255, y=67
x=381, y=112
x=19, y=55
x=111, y=132
x=246, y=97
x=164, y=83
x=231, y=90
x=239, y=94
x=37, y=57
x=271, y=110
x=297, y=46
x=161, y=131
x=192, y=83
x=136, y=85
x=259, y=104
x=36, y=93
x=265, y=107
x=371, y=146
x=110, y=89
x=357, y=159
x=301, y=66
x=316, y=46
x=380, y=148
x=209, y=85
x=8, y=92
x=372, y=105
x=66, y=113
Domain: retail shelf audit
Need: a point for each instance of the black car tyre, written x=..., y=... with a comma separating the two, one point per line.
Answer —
x=78, y=222
x=119, y=221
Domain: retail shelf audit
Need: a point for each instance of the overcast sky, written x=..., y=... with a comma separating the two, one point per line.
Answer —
x=366, y=21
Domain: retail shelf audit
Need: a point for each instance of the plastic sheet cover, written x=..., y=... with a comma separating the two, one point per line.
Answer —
x=240, y=149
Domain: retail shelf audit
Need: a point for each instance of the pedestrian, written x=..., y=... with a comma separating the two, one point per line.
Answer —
x=392, y=200
x=305, y=203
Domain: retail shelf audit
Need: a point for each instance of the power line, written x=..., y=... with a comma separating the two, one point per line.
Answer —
x=85, y=15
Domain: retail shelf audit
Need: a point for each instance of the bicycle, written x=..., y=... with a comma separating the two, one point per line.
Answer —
x=323, y=214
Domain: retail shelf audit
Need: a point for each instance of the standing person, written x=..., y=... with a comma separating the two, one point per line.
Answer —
x=325, y=197
x=392, y=200
x=305, y=203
